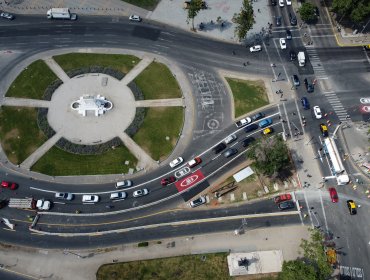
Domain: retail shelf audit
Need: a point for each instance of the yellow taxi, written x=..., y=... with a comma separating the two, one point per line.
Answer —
x=352, y=207
x=267, y=130
x=324, y=130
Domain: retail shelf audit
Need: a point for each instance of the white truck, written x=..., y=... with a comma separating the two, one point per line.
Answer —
x=301, y=59
x=243, y=122
x=29, y=203
x=60, y=13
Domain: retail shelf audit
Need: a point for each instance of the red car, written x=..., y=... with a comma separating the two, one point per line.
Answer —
x=333, y=195
x=282, y=197
x=9, y=185
x=194, y=162
x=169, y=180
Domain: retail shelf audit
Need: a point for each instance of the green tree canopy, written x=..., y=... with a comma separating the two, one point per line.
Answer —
x=270, y=154
x=357, y=11
x=314, y=264
x=193, y=9
x=307, y=12
x=244, y=20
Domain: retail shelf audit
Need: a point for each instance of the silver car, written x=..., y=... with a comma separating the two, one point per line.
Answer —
x=139, y=193
x=64, y=196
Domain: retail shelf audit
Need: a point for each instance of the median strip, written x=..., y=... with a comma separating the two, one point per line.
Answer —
x=179, y=223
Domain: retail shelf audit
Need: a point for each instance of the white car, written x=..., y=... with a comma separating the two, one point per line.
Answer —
x=7, y=16
x=176, y=162
x=281, y=3
x=118, y=195
x=123, y=184
x=139, y=193
x=255, y=48
x=199, y=201
x=135, y=18
x=64, y=196
x=90, y=198
x=43, y=204
x=317, y=112
x=230, y=138
x=282, y=43
x=288, y=2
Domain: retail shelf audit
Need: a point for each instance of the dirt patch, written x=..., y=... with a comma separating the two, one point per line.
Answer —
x=14, y=133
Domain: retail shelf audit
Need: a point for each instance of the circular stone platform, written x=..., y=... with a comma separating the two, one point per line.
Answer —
x=90, y=129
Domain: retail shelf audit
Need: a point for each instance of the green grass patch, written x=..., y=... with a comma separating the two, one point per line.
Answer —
x=19, y=133
x=32, y=81
x=57, y=162
x=145, y=4
x=159, y=123
x=70, y=61
x=199, y=267
x=248, y=95
x=157, y=82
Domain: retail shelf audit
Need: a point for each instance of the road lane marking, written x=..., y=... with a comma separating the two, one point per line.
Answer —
x=178, y=223
x=323, y=211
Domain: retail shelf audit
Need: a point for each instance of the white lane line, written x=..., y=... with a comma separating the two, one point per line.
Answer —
x=323, y=210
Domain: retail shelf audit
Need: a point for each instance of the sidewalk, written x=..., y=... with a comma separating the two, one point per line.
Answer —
x=82, y=265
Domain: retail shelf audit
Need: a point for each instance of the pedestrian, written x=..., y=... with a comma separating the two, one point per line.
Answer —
x=259, y=10
x=281, y=95
x=244, y=64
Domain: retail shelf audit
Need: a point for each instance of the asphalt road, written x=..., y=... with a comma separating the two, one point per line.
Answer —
x=341, y=84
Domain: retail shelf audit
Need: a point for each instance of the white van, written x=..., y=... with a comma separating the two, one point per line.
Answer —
x=123, y=184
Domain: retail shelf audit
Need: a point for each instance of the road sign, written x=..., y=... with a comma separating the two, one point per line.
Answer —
x=189, y=181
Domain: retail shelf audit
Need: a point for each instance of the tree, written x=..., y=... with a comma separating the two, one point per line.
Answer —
x=307, y=12
x=193, y=9
x=291, y=269
x=357, y=11
x=314, y=264
x=270, y=154
x=244, y=20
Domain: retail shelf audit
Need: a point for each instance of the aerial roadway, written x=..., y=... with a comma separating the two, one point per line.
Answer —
x=154, y=215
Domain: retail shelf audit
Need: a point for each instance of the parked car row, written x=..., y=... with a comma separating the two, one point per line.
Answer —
x=284, y=201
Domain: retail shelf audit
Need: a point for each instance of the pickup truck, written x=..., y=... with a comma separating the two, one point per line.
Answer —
x=29, y=203
x=243, y=122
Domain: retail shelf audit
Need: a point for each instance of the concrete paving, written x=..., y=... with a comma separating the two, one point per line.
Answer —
x=57, y=69
x=25, y=102
x=83, y=265
x=137, y=70
x=160, y=102
x=42, y=150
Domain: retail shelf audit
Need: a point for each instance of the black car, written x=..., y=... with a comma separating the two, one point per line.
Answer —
x=219, y=148
x=247, y=141
x=278, y=20
x=251, y=127
x=288, y=34
x=305, y=83
x=316, y=11
x=296, y=81
x=3, y=203
x=258, y=116
x=292, y=19
x=286, y=205
x=273, y=2
x=310, y=88
x=230, y=152
x=293, y=55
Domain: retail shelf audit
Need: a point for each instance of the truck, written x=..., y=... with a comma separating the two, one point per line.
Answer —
x=301, y=59
x=29, y=203
x=60, y=13
x=243, y=122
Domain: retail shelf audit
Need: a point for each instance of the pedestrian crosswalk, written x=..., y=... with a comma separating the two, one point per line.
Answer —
x=316, y=63
x=331, y=96
x=338, y=108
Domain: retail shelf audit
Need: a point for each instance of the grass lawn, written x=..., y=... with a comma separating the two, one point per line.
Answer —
x=19, y=132
x=32, y=81
x=57, y=162
x=213, y=267
x=158, y=123
x=70, y=61
x=248, y=95
x=157, y=81
x=146, y=4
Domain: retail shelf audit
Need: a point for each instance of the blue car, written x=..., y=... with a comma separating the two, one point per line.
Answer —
x=265, y=122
